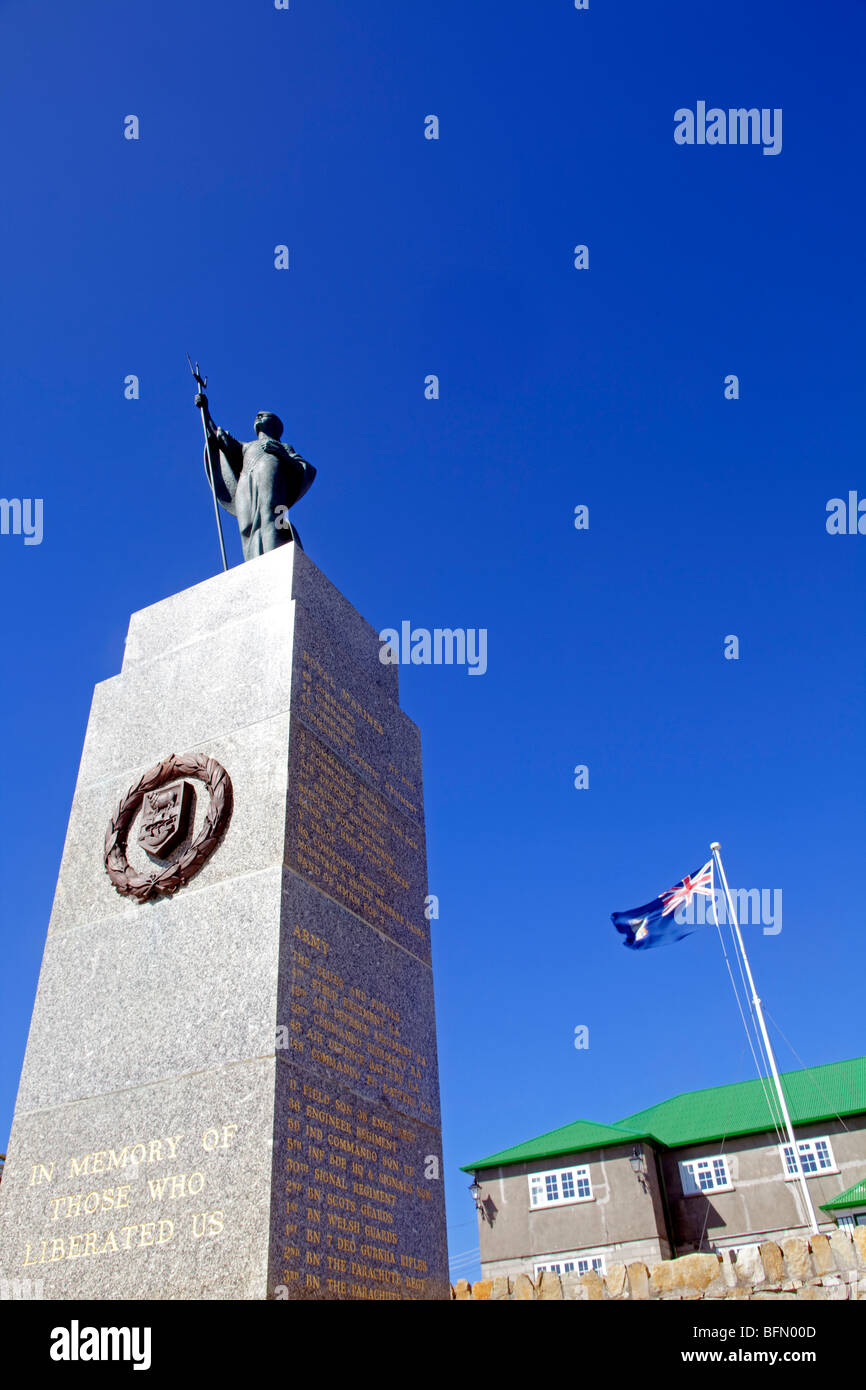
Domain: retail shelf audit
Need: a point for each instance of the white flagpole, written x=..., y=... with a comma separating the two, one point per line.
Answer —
x=732, y=917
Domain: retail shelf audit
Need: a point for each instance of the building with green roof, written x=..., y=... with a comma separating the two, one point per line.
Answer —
x=703, y=1170
x=849, y=1208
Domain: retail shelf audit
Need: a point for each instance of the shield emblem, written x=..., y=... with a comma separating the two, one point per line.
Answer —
x=165, y=818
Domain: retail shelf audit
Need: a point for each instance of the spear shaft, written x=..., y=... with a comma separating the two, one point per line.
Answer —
x=202, y=383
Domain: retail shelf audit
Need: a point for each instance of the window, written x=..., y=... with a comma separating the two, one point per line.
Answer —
x=556, y=1267
x=562, y=1185
x=816, y=1156
x=705, y=1175
x=848, y=1222
x=576, y=1264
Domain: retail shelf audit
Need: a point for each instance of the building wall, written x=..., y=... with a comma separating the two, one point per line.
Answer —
x=624, y=1220
x=762, y=1205
x=645, y=1251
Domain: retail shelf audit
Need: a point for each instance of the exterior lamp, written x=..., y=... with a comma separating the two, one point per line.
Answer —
x=636, y=1161
x=475, y=1194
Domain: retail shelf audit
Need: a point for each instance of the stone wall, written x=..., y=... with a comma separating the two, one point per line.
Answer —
x=824, y=1267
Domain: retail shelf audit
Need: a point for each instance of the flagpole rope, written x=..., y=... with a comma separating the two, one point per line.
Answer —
x=763, y=1067
x=746, y=1028
x=772, y=1099
x=808, y=1071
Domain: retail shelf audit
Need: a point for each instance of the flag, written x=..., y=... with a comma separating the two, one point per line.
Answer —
x=655, y=924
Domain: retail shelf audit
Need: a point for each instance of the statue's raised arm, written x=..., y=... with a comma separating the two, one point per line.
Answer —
x=223, y=458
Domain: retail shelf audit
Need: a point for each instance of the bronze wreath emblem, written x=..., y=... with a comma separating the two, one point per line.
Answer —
x=146, y=885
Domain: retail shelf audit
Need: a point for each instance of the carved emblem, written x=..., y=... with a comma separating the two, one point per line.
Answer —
x=165, y=824
x=165, y=819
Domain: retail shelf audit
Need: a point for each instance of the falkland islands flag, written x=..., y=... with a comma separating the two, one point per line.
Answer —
x=655, y=923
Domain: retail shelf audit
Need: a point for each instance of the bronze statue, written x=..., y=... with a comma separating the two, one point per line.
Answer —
x=257, y=482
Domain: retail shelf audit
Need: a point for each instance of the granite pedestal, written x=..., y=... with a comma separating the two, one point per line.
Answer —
x=231, y=1092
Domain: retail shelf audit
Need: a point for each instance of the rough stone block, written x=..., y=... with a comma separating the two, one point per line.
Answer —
x=773, y=1261
x=594, y=1285
x=615, y=1280
x=523, y=1289
x=638, y=1279
x=573, y=1288
x=482, y=1291
x=748, y=1267
x=462, y=1290
x=549, y=1288
x=688, y=1272
x=798, y=1261
x=837, y=1293
x=822, y=1254
x=728, y=1271
x=843, y=1250
x=859, y=1238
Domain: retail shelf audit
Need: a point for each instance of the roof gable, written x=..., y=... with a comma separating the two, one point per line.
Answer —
x=582, y=1134
x=852, y=1197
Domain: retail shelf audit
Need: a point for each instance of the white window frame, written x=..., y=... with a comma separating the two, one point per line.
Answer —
x=808, y=1145
x=540, y=1185
x=559, y=1267
x=570, y=1264
x=689, y=1178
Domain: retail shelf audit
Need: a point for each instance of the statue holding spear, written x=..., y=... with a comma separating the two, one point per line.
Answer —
x=257, y=482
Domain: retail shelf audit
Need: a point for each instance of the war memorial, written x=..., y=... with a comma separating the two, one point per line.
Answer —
x=230, y=1086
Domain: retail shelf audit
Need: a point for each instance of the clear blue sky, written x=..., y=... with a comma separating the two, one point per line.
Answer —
x=558, y=387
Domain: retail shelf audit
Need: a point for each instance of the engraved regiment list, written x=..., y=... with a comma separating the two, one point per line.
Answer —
x=363, y=1161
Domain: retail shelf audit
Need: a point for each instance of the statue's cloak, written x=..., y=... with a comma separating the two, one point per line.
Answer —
x=257, y=483
x=224, y=458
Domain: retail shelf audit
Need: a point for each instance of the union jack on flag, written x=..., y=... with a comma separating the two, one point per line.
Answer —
x=682, y=894
x=655, y=924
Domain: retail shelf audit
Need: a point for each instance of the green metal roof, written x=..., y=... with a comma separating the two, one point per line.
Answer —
x=582, y=1134
x=854, y=1197
x=696, y=1117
